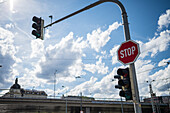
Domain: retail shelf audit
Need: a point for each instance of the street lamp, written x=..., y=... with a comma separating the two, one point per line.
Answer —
x=151, y=92
x=66, y=98
x=51, y=16
x=81, y=110
x=54, y=81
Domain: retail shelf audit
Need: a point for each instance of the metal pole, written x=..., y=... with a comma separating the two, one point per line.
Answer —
x=66, y=98
x=134, y=85
x=66, y=104
x=151, y=92
x=81, y=102
x=54, y=81
x=121, y=104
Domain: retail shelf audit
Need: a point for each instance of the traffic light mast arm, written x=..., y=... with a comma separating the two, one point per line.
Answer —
x=91, y=6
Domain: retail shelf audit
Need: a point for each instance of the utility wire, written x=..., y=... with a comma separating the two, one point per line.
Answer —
x=153, y=68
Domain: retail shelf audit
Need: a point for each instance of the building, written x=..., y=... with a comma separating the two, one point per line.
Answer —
x=17, y=92
x=157, y=100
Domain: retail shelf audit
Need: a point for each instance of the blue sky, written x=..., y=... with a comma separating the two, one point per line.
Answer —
x=84, y=45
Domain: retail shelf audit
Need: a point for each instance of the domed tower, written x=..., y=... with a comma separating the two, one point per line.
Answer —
x=16, y=85
x=15, y=89
x=17, y=92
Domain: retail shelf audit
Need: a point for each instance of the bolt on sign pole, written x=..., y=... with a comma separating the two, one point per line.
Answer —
x=135, y=91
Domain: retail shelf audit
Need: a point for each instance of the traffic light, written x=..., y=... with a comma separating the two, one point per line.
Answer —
x=38, y=26
x=124, y=83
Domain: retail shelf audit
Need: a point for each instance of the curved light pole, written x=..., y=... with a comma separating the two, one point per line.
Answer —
x=134, y=86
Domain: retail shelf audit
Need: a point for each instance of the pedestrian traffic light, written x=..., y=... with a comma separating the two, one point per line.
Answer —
x=38, y=26
x=124, y=83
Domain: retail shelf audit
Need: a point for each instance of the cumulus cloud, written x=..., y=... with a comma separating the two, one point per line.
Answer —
x=164, y=20
x=86, y=88
x=37, y=48
x=66, y=56
x=159, y=43
x=106, y=86
x=99, y=67
x=47, y=34
x=113, y=54
x=163, y=62
x=98, y=38
x=7, y=56
x=62, y=57
x=161, y=80
x=103, y=88
x=7, y=26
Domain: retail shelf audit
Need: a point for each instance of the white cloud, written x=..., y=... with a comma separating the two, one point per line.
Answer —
x=103, y=88
x=76, y=69
x=41, y=60
x=105, y=85
x=7, y=26
x=37, y=48
x=7, y=56
x=90, y=67
x=164, y=20
x=47, y=34
x=86, y=88
x=163, y=62
x=113, y=53
x=157, y=44
x=63, y=57
x=161, y=84
x=98, y=39
x=99, y=67
x=143, y=68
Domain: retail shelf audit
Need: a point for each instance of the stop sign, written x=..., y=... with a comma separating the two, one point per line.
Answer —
x=128, y=52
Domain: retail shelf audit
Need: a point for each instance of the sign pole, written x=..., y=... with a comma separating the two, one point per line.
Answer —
x=134, y=86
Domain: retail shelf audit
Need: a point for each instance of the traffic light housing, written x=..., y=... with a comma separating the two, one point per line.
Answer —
x=38, y=26
x=124, y=83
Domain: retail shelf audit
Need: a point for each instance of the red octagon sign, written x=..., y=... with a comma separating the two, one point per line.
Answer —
x=128, y=52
